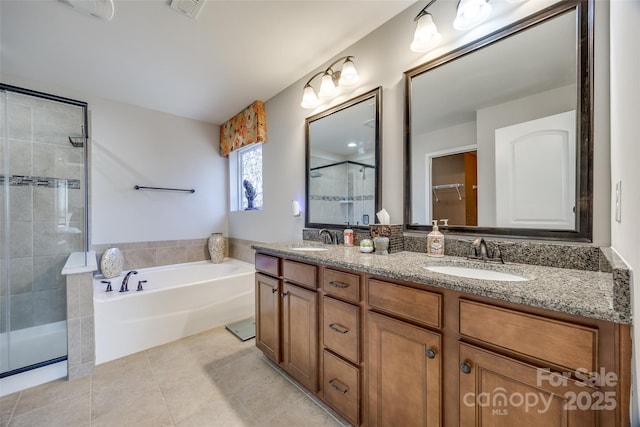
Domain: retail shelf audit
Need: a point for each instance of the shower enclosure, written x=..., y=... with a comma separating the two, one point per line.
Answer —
x=43, y=218
x=341, y=193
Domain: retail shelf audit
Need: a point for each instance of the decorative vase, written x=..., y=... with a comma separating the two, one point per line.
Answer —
x=111, y=263
x=216, y=247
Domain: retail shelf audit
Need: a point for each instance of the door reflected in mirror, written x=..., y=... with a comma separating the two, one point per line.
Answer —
x=499, y=132
x=343, y=163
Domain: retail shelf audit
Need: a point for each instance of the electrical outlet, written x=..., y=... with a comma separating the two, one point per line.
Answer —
x=619, y=201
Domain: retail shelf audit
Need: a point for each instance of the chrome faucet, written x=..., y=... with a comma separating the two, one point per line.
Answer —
x=326, y=236
x=125, y=281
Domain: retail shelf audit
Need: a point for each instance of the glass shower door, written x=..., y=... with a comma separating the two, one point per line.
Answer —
x=43, y=177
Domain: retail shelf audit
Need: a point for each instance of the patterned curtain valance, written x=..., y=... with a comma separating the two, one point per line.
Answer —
x=247, y=127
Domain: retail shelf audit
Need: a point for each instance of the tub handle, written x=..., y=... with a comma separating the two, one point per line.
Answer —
x=108, y=283
x=140, y=282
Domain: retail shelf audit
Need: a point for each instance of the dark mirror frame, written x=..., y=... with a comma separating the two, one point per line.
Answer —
x=584, y=131
x=376, y=95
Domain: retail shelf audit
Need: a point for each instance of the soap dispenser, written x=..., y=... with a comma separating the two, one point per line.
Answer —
x=435, y=241
x=348, y=236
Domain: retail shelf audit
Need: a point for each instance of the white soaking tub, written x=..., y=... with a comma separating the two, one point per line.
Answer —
x=177, y=301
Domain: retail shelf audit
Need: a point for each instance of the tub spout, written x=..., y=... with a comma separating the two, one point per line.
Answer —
x=125, y=281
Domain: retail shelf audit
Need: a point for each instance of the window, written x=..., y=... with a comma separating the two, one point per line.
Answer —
x=248, y=181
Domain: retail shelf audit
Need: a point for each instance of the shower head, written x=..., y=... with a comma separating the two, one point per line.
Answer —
x=77, y=141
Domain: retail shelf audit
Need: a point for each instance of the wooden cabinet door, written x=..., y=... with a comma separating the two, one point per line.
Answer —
x=499, y=391
x=300, y=334
x=404, y=374
x=268, y=316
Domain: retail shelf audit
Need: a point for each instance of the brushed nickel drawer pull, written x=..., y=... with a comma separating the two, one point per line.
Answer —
x=339, y=285
x=338, y=328
x=333, y=384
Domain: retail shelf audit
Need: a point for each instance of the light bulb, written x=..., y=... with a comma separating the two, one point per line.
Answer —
x=426, y=35
x=348, y=75
x=327, y=87
x=309, y=98
x=471, y=13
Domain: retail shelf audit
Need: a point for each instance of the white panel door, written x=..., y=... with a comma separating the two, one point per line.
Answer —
x=536, y=173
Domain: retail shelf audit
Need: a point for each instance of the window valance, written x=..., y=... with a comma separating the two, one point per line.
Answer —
x=247, y=127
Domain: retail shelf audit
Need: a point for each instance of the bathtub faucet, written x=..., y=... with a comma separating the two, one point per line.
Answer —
x=125, y=281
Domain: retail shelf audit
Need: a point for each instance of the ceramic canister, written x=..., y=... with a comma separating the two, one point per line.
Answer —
x=216, y=247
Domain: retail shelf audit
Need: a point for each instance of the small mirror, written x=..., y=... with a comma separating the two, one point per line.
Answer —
x=498, y=132
x=343, y=163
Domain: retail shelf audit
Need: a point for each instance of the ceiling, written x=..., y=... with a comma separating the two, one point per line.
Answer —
x=206, y=69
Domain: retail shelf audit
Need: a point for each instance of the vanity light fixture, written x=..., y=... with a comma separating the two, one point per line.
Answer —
x=426, y=35
x=470, y=13
x=347, y=76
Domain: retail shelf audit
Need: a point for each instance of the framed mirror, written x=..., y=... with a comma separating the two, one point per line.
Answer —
x=498, y=132
x=343, y=163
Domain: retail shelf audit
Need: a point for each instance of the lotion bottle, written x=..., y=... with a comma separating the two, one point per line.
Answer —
x=435, y=241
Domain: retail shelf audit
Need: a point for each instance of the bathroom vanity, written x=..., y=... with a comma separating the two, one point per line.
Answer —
x=385, y=341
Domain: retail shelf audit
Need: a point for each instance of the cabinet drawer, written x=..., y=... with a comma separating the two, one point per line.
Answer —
x=341, y=328
x=341, y=387
x=412, y=304
x=300, y=273
x=268, y=264
x=561, y=343
x=341, y=285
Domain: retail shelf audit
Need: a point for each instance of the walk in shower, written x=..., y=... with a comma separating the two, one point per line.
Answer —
x=342, y=192
x=43, y=218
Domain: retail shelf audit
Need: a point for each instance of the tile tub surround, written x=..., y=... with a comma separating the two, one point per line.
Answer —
x=579, y=292
x=155, y=254
x=209, y=379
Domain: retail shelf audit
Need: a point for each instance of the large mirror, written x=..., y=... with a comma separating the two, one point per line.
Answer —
x=343, y=163
x=499, y=132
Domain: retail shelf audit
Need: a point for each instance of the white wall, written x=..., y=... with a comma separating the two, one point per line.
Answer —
x=625, y=152
x=381, y=58
x=136, y=146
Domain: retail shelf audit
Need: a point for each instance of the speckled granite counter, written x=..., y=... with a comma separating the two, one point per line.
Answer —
x=578, y=292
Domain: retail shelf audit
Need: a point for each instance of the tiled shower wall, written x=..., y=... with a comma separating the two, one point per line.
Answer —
x=46, y=207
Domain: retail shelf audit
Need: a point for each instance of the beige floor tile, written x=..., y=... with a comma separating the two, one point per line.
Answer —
x=139, y=411
x=301, y=412
x=190, y=396
x=7, y=404
x=221, y=413
x=50, y=393
x=73, y=412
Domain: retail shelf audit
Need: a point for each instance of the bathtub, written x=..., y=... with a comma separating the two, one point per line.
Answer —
x=177, y=301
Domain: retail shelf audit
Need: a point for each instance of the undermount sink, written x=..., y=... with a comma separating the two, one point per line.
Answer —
x=475, y=273
x=308, y=248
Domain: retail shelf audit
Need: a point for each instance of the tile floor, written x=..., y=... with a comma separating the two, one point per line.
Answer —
x=209, y=379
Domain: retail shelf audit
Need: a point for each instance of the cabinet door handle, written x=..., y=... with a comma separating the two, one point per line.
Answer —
x=338, y=328
x=284, y=294
x=333, y=384
x=274, y=290
x=431, y=353
x=465, y=367
x=339, y=285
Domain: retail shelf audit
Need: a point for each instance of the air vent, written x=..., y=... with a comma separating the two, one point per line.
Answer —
x=191, y=8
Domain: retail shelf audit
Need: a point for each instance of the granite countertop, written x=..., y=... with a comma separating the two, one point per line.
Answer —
x=583, y=293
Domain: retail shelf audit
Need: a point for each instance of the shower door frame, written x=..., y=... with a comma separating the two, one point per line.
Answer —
x=85, y=175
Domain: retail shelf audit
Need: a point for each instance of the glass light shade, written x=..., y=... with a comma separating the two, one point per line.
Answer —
x=471, y=13
x=348, y=75
x=309, y=98
x=426, y=35
x=327, y=87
